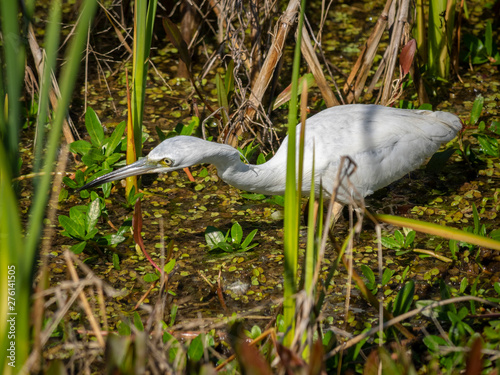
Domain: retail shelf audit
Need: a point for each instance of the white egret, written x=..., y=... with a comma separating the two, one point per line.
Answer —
x=385, y=143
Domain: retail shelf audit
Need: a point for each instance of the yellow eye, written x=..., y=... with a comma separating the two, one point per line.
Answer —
x=167, y=162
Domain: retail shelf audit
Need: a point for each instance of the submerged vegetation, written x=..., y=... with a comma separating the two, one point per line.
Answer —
x=182, y=274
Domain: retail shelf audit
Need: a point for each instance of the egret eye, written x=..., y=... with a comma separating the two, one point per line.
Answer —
x=167, y=162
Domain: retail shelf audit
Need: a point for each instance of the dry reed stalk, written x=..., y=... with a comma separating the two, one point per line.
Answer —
x=365, y=60
x=396, y=39
x=38, y=55
x=313, y=62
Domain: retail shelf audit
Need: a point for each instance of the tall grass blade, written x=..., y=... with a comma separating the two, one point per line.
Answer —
x=51, y=46
x=67, y=83
x=144, y=16
x=440, y=230
x=291, y=220
x=14, y=59
x=15, y=286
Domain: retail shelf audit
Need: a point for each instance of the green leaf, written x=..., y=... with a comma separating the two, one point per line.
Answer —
x=400, y=238
x=90, y=235
x=224, y=246
x=93, y=214
x=477, y=108
x=247, y=248
x=138, y=322
x=124, y=329
x=439, y=159
x=404, y=299
x=489, y=145
x=195, y=350
x=497, y=287
x=169, y=266
x=229, y=78
x=94, y=156
x=69, y=182
x=410, y=237
x=175, y=37
x=433, y=342
x=78, y=248
x=213, y=237
x=386, y=276
x=161, y=134
x=390, y=243
x=495, y=127
x=488, y=38
x=116, y=261
x=73, y=228
x=80, y=147
x=113, y=158
x=94, y=127
x=151, y=277
x=236, y=233
x=115, y=138
x=261, y=159
x=249, y=239
x=370, y=276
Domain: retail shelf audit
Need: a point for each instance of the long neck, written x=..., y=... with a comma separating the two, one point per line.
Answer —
x=266, y=178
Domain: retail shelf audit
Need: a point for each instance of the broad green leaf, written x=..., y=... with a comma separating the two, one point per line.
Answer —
x=138, y=322
x=175, y=37
x=404, y=299
x=78, y=248
x=116, y=261
x=80, y=147
x=169, y=266
x=249, y=238
x=161, y=134
x=151, y=277
x=224, y=246
x=390, y=243
x=247, y=248
x=116, y=239
x=124, y=329
x=410, y=237
x=488, y=38
x=477, y=108
x=195, y=350
x=433, y=342
x=93, y=214
x=236, y=233
x=399, y=237
x=90, y=235
x=489, y=145
x=69, y=182
x=213, y=237
x=115, y=138
x=386, y=276
x=370, y=276
x=94, y=127
x=73, y=228
x=439, y=159
x=113, y=158
x=94, y=156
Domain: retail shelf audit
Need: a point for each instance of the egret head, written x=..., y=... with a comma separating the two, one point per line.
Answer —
x=170, y=155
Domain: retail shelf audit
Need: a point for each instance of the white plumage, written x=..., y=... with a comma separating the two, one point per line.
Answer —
x=385, y=143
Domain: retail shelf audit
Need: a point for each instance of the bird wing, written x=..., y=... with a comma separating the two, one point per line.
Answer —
x=385, y=143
